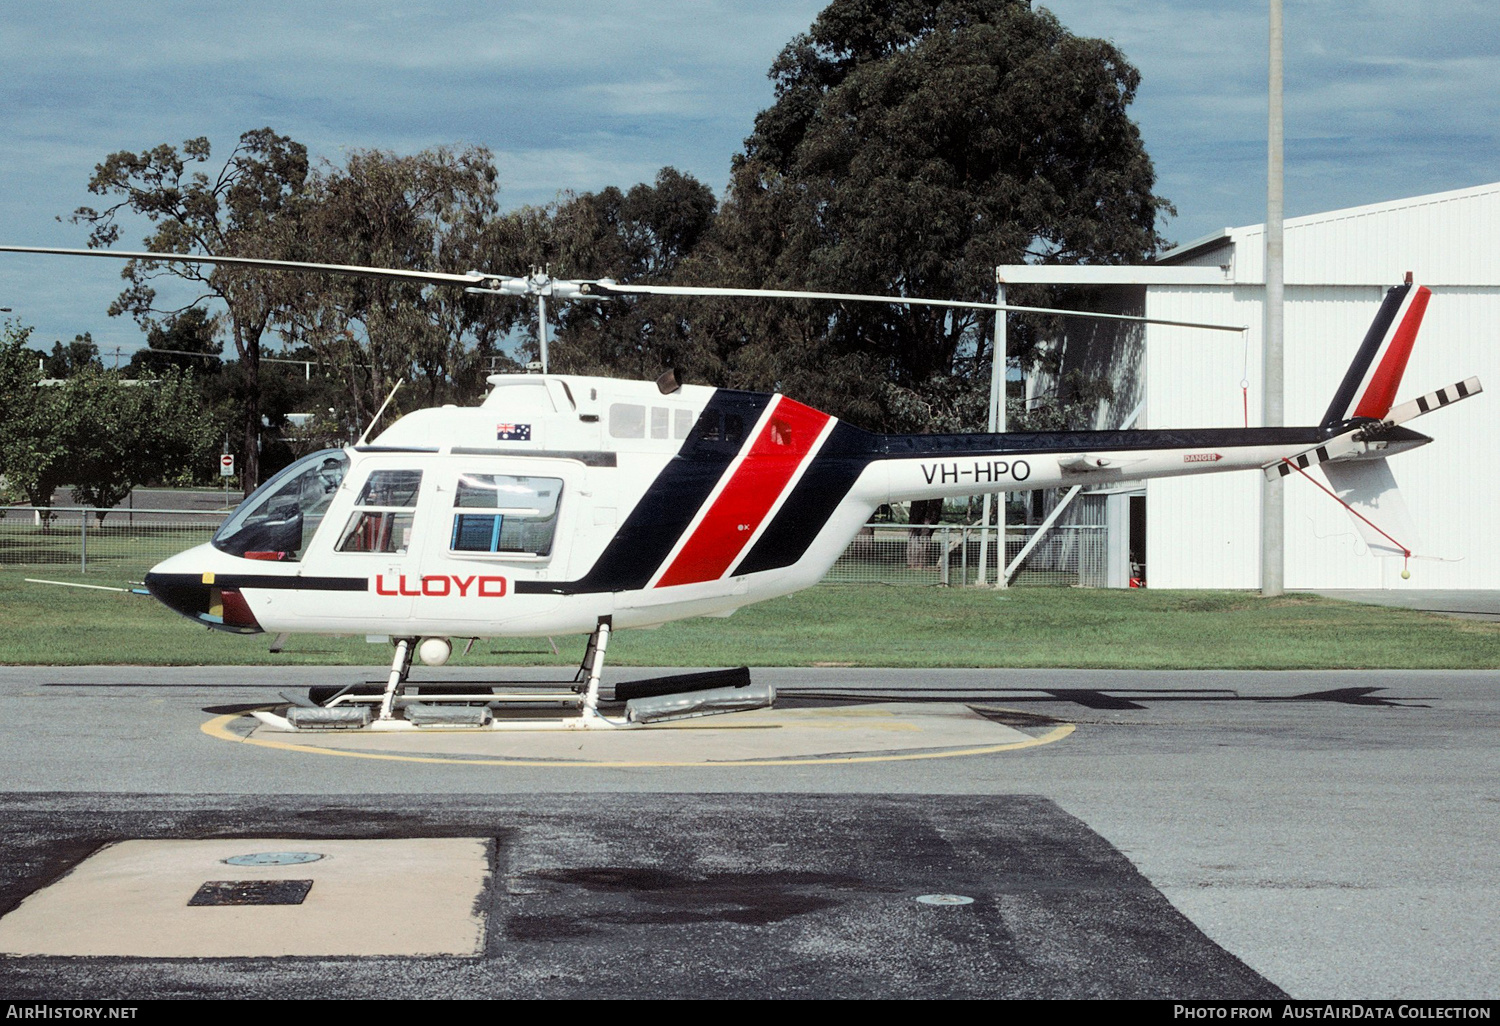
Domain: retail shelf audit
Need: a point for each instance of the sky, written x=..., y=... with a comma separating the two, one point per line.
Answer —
x=1383, y=100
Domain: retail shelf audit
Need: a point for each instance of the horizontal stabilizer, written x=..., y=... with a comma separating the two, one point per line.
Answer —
x=1333, y=449
x=1375, y=441
x=1369, y=491
x=1434, y=400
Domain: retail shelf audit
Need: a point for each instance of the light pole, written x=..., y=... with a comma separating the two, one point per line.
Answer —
x=999, y=360
x=1272, y=510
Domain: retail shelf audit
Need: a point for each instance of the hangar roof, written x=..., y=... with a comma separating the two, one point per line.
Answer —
x=1444, y=238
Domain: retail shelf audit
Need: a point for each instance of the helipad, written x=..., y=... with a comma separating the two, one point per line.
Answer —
x=784, y=736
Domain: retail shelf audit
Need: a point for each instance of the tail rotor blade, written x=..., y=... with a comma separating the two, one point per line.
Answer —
x=1434, y=401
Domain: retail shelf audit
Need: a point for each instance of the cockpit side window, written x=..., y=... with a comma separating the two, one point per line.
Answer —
x=391, y=488
x=382, y=519
x=505, y=513
x=279, y=519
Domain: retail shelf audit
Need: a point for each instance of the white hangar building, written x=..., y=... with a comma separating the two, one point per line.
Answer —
x=1204, y=532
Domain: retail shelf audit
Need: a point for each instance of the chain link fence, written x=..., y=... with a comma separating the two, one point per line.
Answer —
x=122, y=543
x=1069, y=555
x=126, y=543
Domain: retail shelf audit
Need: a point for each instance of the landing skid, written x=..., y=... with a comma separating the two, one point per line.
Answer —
x=561, y=705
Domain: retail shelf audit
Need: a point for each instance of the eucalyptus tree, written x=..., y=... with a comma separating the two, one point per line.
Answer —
x=640, y=236
x=188, y=340
x=423, y=212
x=912, y=146
x=244, y=208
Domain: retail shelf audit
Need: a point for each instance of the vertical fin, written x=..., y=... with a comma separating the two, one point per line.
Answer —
x=1369, y=386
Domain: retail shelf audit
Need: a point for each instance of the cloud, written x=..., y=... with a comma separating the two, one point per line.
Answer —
x=1380, y=103
x=571, y=97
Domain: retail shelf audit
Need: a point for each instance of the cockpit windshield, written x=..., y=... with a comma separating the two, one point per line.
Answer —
x=280, y=517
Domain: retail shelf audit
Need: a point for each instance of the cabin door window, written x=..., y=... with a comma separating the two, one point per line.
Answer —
x=383, y=514
x=505, y=513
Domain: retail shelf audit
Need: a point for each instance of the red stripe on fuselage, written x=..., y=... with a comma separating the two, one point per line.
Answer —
x=783, y=443
x=1381, y=393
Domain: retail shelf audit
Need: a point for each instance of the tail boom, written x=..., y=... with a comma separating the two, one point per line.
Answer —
x=917, y=467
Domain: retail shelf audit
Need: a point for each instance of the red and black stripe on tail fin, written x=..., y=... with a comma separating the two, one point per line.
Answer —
x=1369, y=386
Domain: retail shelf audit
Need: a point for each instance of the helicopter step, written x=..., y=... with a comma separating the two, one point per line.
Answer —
x=399, y=706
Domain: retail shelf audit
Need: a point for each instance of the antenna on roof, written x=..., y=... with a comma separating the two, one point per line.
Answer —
x=375, y=419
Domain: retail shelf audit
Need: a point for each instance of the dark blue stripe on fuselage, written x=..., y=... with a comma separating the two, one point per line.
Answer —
x=897, y=447
x=278, y=582
x=668, y=507
x=849, y=451
x=834, y=469
x=652, y=529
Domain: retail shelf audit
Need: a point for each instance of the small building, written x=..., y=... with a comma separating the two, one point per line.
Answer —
x=1204, y=532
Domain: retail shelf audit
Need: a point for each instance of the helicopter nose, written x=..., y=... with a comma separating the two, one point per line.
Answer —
x=198, y=597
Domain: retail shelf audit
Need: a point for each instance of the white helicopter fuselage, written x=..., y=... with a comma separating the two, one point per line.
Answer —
x=563, y=501
x=568, y=503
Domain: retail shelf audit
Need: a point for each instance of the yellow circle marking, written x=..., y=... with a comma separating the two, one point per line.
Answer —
x=218, y=727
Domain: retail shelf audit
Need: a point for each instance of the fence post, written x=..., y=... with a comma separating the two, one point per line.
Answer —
x=943, y=567
x=963, y=562
x=83, y=545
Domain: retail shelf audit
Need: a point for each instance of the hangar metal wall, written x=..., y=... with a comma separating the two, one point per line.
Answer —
x=1204, y=532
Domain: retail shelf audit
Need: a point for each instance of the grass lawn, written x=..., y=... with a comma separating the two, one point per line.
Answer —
x=857, y=625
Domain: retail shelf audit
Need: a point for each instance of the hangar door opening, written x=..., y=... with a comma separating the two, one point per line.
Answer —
x=1125, y=519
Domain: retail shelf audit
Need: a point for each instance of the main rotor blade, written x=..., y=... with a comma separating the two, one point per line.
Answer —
x=472, y=278
x=597, y=288
x=543, y=284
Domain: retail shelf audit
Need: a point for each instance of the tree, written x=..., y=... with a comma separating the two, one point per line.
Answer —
x=246, y=209
x=33, y=455
x=120, y=433
x=187, y=340
x=642, y=236
x=912, y=146
x=78, y=355
x=421, y=212
x=96, y=431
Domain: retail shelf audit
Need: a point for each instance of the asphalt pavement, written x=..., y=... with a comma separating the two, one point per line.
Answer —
x=1175, y=834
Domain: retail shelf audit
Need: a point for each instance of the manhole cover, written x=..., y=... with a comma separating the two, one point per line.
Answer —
x=273, y=858
x=252, y=892
x=945, y=899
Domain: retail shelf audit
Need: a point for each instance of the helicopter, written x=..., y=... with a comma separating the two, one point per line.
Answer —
x=575, y=504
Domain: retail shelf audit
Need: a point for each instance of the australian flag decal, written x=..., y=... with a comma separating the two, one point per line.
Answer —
x=513, y=432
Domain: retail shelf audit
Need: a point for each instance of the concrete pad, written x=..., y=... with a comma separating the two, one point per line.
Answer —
x=1468, y=604
x=373, y=897
x=768, y=735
